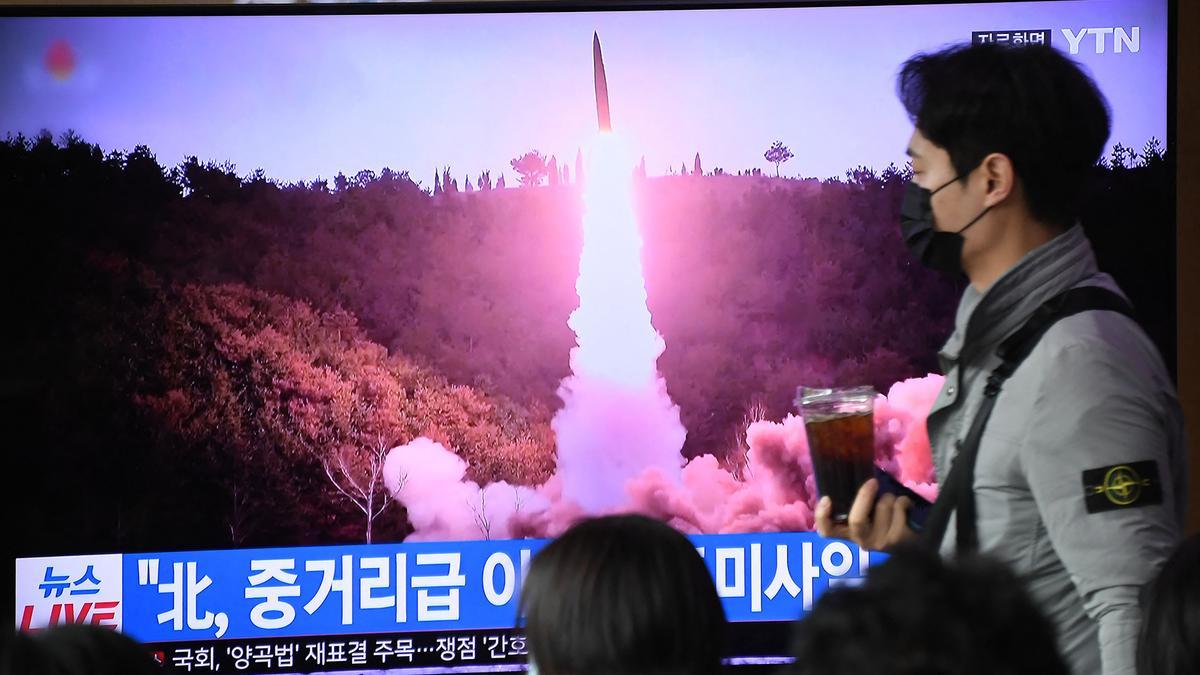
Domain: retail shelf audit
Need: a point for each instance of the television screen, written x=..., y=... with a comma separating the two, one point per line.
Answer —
x=320, y=320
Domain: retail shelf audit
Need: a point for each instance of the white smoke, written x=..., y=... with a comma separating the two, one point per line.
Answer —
x=617, y=419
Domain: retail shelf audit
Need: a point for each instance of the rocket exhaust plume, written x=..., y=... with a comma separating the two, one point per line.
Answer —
x=617, y=419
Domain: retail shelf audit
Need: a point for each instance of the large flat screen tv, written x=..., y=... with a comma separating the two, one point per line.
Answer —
x=319, y=320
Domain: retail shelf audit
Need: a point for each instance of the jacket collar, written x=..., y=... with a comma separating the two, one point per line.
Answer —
x=985, y=318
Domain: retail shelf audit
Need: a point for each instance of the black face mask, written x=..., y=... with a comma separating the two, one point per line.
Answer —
x=936, y=249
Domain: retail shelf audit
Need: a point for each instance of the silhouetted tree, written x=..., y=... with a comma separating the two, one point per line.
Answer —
x=532, y=167
x=777, y=154
x=1122, y=157
x=364, y=178
x=1152, y=152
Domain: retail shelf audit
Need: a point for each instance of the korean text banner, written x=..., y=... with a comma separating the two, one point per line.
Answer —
x=383, y=588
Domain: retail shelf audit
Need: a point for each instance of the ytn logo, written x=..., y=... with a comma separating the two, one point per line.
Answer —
x=1122, y=39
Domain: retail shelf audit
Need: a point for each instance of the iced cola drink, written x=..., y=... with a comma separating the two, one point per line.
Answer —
x=841, y=440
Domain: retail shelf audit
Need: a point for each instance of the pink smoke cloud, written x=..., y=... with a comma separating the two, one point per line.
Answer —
x=443, y=505
x=776, y=491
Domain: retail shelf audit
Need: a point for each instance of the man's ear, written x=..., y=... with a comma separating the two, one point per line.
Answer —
x=997, y=171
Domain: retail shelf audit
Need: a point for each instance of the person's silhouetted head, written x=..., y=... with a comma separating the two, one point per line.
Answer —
x=919, y=615
x=622, y=595
x=77, y=650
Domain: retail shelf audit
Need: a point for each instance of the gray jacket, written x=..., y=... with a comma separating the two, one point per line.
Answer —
x=1079, y=483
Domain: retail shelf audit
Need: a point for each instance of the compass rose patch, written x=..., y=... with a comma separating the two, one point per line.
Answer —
x=1122, y=486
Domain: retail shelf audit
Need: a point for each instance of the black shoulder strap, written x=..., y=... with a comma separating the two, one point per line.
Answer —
x=958, y=492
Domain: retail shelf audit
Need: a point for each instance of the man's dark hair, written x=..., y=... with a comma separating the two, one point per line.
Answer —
x=1031, y=103
x=622, y=595
x=1169, y=642
x=919, y=615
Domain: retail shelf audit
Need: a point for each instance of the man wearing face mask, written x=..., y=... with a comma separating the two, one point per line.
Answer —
x=1057, y=437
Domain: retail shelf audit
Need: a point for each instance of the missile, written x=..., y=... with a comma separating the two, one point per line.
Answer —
x=602, y=112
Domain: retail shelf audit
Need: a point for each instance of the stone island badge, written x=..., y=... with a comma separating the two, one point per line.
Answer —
x=1121, y=486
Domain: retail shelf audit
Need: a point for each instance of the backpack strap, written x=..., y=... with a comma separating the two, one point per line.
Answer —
x=958, y=492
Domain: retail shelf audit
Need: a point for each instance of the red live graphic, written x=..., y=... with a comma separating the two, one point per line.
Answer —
x=96, y=613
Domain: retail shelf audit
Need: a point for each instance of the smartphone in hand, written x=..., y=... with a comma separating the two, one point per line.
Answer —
x=889, y=484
